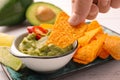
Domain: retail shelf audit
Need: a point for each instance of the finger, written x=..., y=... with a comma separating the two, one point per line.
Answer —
x=93, y=12
x=104, y=5
x=95, y=1
x=115, y=3
x=80, y=11
x=73, y=3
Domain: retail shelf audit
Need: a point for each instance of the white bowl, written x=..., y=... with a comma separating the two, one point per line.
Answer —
x=39, y=63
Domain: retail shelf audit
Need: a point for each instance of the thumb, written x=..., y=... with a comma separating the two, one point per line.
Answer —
x=80, y=10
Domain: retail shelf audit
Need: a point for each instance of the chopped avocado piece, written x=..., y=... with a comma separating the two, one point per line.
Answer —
x=12, y=12
x=42, y=12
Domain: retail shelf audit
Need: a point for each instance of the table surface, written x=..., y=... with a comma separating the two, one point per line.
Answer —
x=106, y=71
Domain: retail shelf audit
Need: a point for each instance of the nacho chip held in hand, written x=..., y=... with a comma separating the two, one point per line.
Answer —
x=63, y=34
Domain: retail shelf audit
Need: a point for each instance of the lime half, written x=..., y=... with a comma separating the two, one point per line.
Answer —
x=9, y=60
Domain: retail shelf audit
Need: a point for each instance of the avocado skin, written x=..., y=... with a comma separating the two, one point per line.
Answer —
x=31, y=11
x=13, y=12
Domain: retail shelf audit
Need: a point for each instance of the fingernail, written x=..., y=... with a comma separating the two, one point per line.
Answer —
x=105, y=3
x=75, y=19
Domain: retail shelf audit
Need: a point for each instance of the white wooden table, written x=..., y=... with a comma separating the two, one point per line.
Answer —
x=107, y=71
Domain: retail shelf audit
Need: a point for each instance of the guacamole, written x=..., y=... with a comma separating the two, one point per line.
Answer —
x=31, y=46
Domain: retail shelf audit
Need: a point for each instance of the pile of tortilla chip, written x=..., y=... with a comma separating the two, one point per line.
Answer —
x=92, y=41
x=95, y=43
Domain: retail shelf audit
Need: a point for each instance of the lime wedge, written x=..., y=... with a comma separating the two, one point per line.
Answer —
x=6, y=40
x=9, y=60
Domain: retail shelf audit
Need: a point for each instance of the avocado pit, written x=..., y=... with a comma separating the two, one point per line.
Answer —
x=45, y=14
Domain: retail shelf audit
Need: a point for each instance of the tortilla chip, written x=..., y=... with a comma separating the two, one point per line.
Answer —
x=89, y=52
x=63, y=34
x=93, y=25
x=112, y=45
x=47, y=26
x=88, y=36
x=80, y=61
x=103, y=54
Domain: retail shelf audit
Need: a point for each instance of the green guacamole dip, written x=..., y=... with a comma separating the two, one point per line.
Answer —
x=31, y=46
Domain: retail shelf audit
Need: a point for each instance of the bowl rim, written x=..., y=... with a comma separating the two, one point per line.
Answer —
x=39, y=57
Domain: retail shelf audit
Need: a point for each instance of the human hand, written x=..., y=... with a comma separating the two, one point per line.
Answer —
x=88, y=9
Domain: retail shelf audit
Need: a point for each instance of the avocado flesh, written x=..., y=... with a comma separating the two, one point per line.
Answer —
x=12, y=12
x=31, y=13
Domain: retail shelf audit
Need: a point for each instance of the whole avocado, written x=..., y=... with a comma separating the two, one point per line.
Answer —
x=12, y=12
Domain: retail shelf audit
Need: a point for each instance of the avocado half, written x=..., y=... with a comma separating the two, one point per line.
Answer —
x=32, y=10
